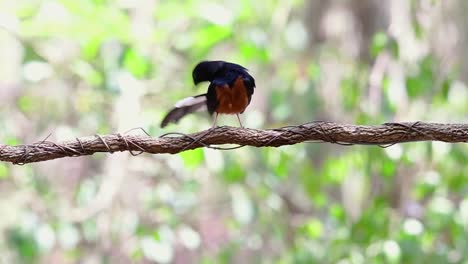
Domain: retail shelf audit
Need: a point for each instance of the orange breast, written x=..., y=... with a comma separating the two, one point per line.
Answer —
x=232, y=100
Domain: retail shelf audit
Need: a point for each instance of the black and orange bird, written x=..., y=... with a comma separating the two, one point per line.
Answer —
x=230, y=91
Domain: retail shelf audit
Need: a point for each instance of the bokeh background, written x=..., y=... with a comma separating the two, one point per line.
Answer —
x=74, y=68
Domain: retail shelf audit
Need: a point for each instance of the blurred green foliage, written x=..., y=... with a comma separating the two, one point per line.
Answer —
x=84, y=67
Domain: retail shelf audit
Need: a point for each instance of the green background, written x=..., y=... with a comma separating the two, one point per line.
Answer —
x=77, y=68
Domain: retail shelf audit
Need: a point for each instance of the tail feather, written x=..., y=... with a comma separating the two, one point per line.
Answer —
x=183, y=107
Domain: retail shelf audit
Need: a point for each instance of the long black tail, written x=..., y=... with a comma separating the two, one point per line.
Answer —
x=183, y=107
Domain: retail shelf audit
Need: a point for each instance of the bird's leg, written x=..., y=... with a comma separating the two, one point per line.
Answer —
x=240, y=123
x=216, y=118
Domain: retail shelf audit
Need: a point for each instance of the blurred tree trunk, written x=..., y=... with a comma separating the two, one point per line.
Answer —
x=462, y=23
x=371, y=16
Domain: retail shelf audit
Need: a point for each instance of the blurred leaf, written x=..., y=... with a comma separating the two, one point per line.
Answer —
x=379, y=42
x=336, y=169
x=375, y=217
x=337, y=211
x=277, y=97
x=440, y=100
x=350, y=91
x=88, y=73
x=24, y=244
x=415, y=86
x=411, y=250
x=320, y=200
x=422, y=82
x=418, y=29
x=282, y=167
x=312, y=182
x=394, y=48
x=90, y=48
x=314, y=228
x=458, y=182
x=389, y=107
x=234, y=173
x=136, y=64
x=168, y=11
x=27, y=9
x=314, y=71
x=423, y=190
x=192, y=158
x=86, y=45
x=209, y=36
x=252, y=52
x=3, y=171
x=12, y=141
x=446, y=87
x=30, y=53
x=143, y=230
x=388, y=167
x=26, y=103
x=137, y=255
x=156, y=235
x=277, y=161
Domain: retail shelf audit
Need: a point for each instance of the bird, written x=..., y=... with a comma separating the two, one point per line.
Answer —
x=229, y=92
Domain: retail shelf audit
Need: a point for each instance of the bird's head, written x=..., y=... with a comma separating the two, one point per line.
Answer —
x=205, y=71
